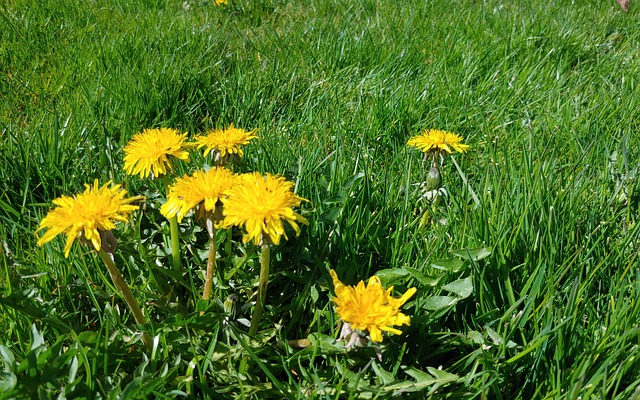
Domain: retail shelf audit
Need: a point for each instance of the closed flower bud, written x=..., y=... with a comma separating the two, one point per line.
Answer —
x=434, y=179
x=231, y=306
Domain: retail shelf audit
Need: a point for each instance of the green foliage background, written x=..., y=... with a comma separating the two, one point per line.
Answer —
x=545, y=203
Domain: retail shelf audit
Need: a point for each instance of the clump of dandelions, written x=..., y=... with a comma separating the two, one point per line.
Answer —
x=90, y=218
x=368, y=310
x=261, y=204
x=202, y=192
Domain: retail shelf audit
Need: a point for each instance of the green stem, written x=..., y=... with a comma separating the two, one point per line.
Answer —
x=262, y=289
x=123, y=288
x=227, y=244
x=175, y=233
x=175, y=243
x=211, y=264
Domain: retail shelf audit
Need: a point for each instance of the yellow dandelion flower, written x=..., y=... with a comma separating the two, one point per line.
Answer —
x=435, y=140
x=225, y=141
x=148, y=152
x=87, y=214
x=220, y=2
x=203, y=190
x=370, y=308
x=261, y=204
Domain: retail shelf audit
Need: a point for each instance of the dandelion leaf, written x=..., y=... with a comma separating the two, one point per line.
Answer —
x=462, y=287
x=423, y=380
x=391, y=276
x=476, y=254
x=437, y=303
x=449, y=265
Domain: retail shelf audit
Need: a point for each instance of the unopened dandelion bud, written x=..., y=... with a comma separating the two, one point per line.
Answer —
x=434, y=179
x=231, y=306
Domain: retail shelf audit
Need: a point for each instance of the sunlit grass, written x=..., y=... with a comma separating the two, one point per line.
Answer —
x=540, y=221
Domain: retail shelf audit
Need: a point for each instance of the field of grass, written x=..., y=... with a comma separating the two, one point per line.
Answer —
x=527, y=275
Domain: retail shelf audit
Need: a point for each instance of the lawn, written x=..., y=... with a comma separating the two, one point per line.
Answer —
x=525, y=266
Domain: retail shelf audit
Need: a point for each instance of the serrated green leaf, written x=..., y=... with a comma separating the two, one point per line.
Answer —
x=326, y=343
x=88, y=338
x=473, y=254
x=423, y=380
x=462, y=287
x=354, y=380
x=351, y=181
x=442, y=376
x=330, y=216
x=385, y=377
x=421, y=278
x=402, y=387
x=391, y=276
x=335, y=199
x=495, y=337
x=436, y=303
x=449, y=265
x=421, y=377
x=476, y=337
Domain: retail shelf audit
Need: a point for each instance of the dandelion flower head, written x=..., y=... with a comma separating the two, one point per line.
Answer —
x=435, y=140
x=261, y=204
x=87, y=214
x=225, y=141
x=370, y=308
x=150, y=152
x=202, y=190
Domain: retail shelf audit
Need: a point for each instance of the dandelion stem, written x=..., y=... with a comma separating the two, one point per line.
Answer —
x=175, y=234
x=175, y=243
x=227, y=243
x=211, y=261
x=265, y=255
x=123, y=288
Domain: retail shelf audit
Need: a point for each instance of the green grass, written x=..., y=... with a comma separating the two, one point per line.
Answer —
x=546, y=95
